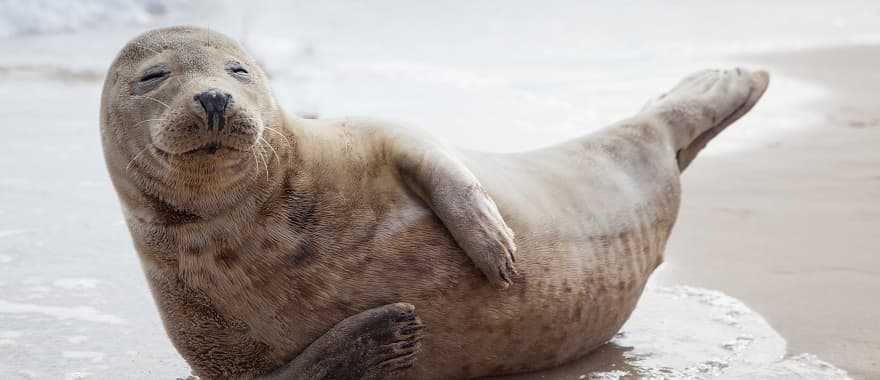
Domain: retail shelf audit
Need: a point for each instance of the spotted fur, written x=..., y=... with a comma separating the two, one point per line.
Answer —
x=259, y=258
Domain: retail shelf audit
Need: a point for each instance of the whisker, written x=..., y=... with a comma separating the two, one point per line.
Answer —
x=265, y=163
x=256, y=163
x=263, y=158
x=147, y=120
x=286, y=140
x=260, y=138
x=266, y=127
x=273, y=130
x=136, y=156
x=153, y=99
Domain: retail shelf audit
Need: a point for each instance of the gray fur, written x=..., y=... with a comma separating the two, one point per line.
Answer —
x=289, y=251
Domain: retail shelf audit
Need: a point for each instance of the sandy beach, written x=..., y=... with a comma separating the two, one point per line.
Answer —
x=772, y=270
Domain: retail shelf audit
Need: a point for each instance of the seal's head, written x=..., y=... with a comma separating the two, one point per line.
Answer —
x=186, y=105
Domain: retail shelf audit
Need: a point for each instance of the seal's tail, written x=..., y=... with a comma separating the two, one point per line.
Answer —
x=704, y=104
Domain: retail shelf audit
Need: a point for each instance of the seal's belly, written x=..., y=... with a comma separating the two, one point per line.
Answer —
x=582, y=269
x=588, y=238
x=571, y=296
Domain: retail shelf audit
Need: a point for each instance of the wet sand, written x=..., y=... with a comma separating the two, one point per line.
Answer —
x=792, y=228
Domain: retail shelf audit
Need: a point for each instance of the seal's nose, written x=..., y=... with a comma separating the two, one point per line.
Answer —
x=214, y=101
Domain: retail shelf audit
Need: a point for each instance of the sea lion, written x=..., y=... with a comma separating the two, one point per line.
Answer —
x=283, y=247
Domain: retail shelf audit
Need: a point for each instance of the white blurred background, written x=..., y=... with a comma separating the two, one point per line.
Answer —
x=536, y=74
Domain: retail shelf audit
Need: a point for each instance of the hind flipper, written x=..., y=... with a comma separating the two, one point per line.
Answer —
x=703, y=104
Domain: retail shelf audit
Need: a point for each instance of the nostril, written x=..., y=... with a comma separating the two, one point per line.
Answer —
x=214, y=102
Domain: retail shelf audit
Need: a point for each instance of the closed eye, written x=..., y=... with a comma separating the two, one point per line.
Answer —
x=238, y=71
x=151, y=79
x=154, y=75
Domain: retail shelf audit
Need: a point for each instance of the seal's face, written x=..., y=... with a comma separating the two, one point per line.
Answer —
x=185, y=96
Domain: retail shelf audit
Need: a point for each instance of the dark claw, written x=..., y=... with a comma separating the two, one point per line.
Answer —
x=409, y=330
x=504, y=276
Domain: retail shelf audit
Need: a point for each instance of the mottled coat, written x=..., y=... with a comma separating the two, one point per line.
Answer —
x=254, y=252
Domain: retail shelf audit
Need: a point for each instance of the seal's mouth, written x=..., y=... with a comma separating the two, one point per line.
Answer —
x=212, y=148
x=187, y=136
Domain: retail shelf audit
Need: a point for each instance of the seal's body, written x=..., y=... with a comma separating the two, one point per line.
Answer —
x=591, y=218
x=282, y=247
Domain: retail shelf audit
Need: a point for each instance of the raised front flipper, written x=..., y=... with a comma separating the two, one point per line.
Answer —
x=380, y=343
x=456, y=197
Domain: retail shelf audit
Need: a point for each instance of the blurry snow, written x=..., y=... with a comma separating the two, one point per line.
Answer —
x=493, y=75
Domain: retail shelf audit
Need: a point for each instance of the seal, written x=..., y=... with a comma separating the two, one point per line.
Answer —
x=292, y=248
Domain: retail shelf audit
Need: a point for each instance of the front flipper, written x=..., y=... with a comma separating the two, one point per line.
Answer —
x=456, y=197
x=379, y=343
